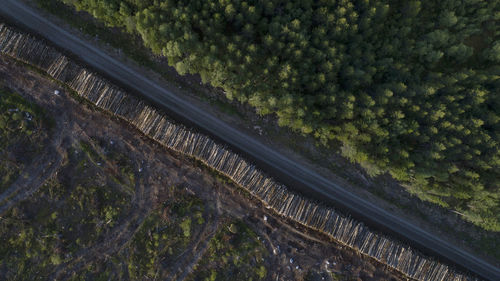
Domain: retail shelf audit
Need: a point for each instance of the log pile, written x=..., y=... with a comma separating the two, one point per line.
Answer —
x=274, y=195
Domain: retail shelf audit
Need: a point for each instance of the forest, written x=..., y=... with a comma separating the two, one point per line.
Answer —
x=409, y=88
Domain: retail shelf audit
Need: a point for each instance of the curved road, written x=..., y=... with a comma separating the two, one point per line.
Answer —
x=287, y=169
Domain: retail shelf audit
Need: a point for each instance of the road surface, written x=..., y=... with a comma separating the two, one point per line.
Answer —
x=285, y=169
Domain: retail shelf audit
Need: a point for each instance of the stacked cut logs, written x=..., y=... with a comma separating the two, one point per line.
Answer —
x=275, y=196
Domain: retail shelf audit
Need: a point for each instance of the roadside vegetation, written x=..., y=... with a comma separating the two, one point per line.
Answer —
x=406, y=87
x=23, y=126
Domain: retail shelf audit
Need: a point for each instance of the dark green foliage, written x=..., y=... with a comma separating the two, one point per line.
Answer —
x=409, y=87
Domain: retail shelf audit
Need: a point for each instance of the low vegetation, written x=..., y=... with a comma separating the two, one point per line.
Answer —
x=164, y=237
x=87, y=201
x=81, y=207
x=68, y=215
x=23, y=126
x=235, y=253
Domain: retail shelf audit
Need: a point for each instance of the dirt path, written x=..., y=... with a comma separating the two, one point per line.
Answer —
x=195, y=251
x=118, y=237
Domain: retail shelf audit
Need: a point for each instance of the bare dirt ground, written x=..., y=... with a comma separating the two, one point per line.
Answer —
x=296, y=252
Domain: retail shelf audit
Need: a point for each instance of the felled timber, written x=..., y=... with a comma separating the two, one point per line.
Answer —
x=273, y=195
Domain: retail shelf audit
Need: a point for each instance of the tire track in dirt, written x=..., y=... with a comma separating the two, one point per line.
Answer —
x=194, y=252
x=119, y=237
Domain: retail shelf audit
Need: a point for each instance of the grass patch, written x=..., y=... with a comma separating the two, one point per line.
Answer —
x=226, y=108
x=91, y=153
x=125, y=172
x=118, y=166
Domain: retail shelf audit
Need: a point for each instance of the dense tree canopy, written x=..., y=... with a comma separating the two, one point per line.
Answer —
x=408, y=87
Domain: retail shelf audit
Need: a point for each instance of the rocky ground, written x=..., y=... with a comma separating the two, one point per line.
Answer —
x=96, y=200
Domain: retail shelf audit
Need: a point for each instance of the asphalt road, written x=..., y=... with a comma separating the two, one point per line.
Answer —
x=285, y=169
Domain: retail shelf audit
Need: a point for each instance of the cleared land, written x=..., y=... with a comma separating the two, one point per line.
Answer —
x=109, y=203
x=23, y=127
